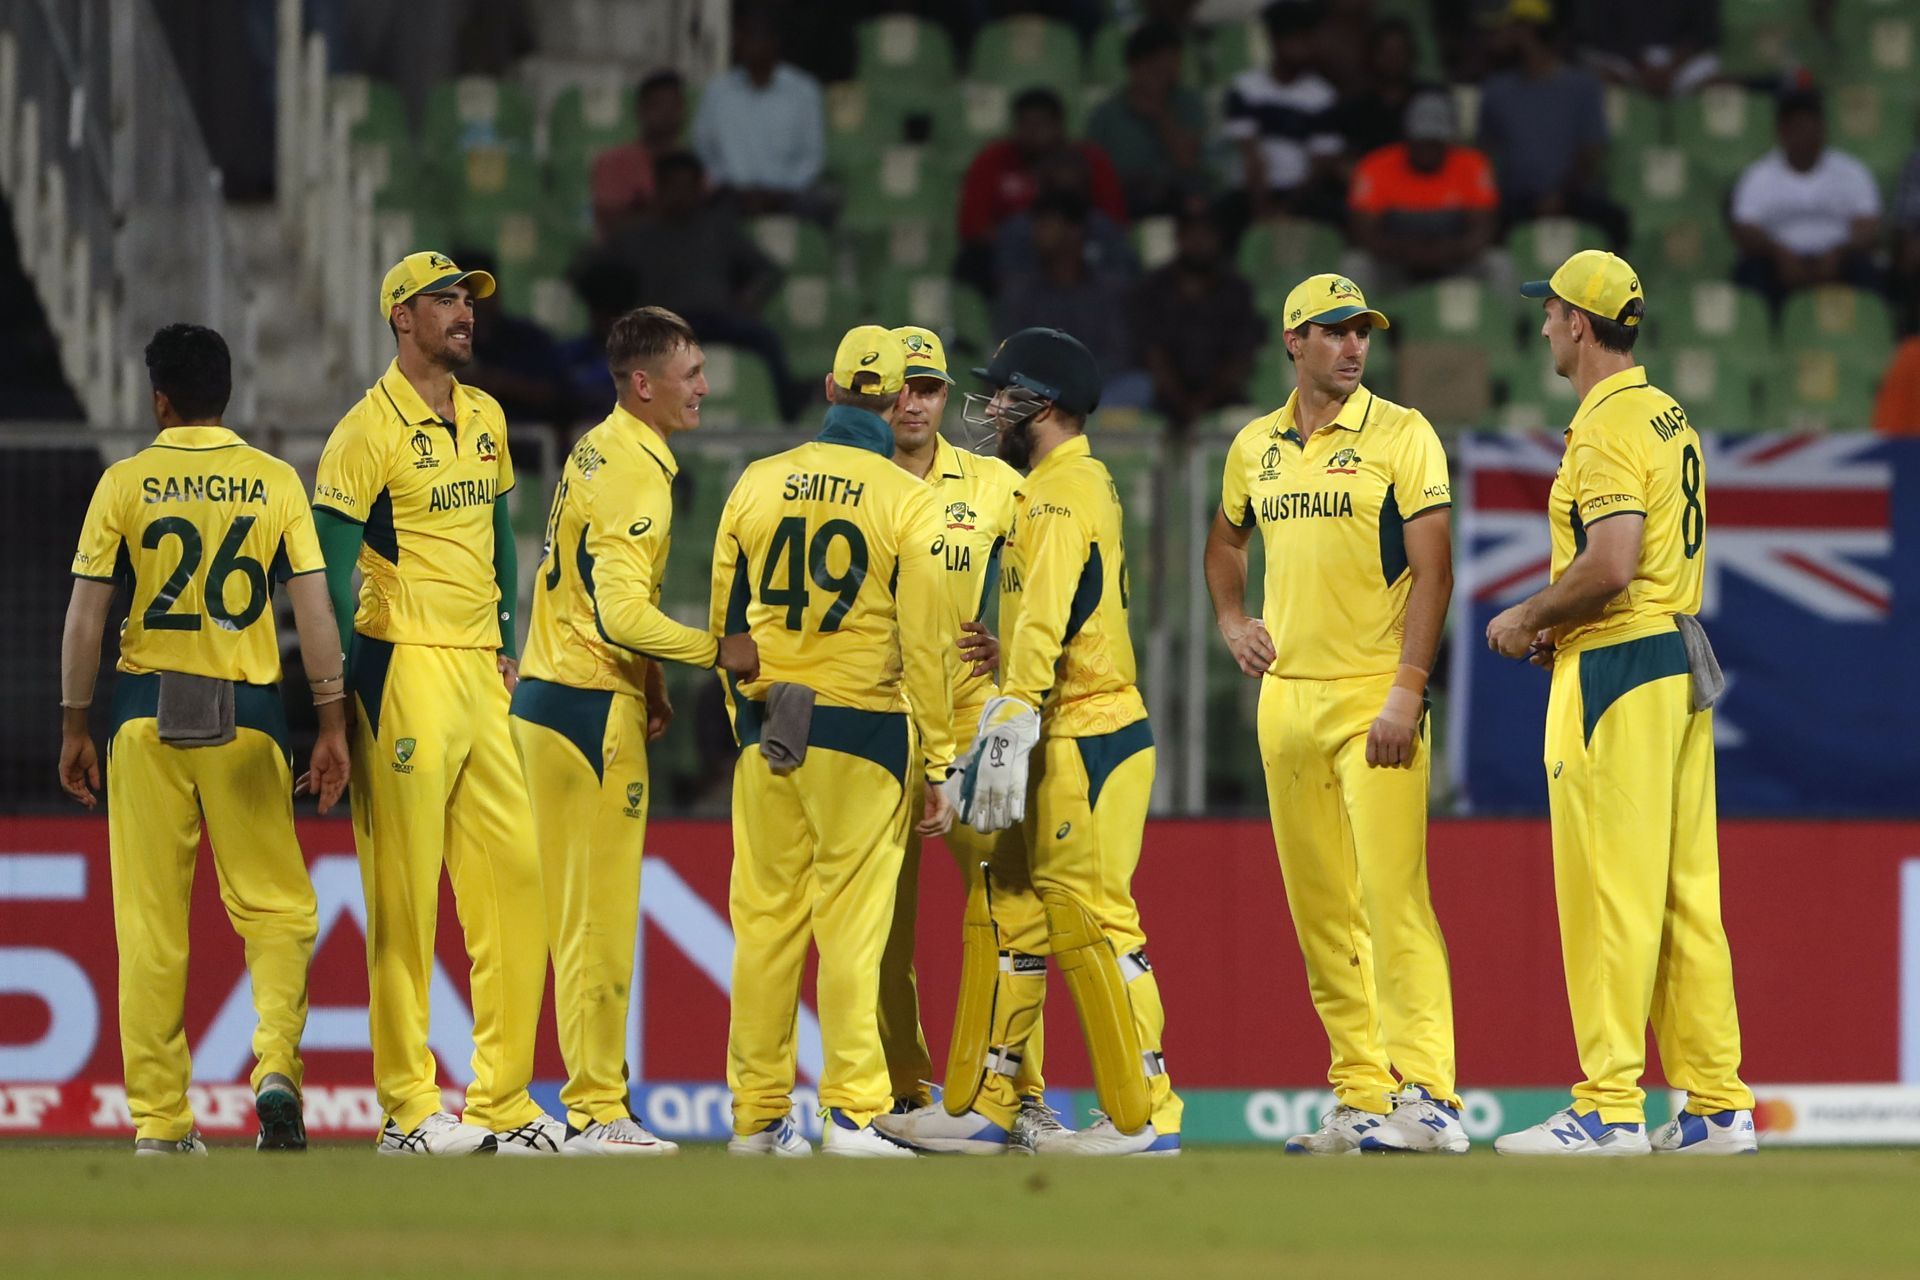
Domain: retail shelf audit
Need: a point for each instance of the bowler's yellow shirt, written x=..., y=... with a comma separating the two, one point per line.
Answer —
x=833, y=558
x=1331, y=513
x=1631, y=450
x=424, y=489
x=976, y=505
x=1065, y=647
x=199, y=525
x=596, y=598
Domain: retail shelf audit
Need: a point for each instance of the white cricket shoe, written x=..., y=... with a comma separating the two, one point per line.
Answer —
x=440, y=1134
x=191, y=1145
x=781, y=1138
x=623, y=1137
x=1035, y=1127
x=1102, y=1138
x=1568, y=1133
x=842, y=1137
x=1719, y=1133
x=1418, y=1122
x=930, y=1128
x=1340, y=1133
x=540, y=1136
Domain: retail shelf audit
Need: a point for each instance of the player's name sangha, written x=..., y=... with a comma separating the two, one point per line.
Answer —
x=207, y=488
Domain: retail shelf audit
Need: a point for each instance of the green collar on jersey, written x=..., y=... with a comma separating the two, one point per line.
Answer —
x=847, y=425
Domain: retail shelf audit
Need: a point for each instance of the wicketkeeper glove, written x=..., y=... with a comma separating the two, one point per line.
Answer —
x=989, y=790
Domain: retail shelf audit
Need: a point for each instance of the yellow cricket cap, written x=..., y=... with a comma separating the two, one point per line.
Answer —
x=870, y=349
x=428, y=272
x=926, y=357
x=1596, y=281
x=1328, y=299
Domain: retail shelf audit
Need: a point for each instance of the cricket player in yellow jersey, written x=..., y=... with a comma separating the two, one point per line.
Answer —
x=832, y=558
x=412, y=488
x=1349, y=494
x=1629, y=742
x=1065, y=752
x=591, y=698
x=975, y=494
x=199, y=525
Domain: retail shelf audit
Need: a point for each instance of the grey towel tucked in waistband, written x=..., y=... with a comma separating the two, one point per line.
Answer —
x=783, y=738
x=1707, y=681
x=195, y=711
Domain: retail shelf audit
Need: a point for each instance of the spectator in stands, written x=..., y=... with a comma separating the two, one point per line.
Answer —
x=1281, y=116
x=623, y=175
x=1195, y=325
x=1544, y=126
x=608, y=289
x=1655, y=46
x=1906, y=245
x=761, y=129
x=1896, y=410
x=1423, y=208
x=1108, y=248
x=1343, y=44
x=516, y=361
x=690, y=254
x=1153, y=129
x=1804, y=214
x=1064, y=292
x=1004, y=177
x=1375, y=116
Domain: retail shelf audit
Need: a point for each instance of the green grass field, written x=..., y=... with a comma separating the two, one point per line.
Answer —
x=94, y=1210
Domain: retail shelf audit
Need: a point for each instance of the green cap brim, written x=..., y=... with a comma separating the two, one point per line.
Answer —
x=480, y=283
x=928, y=371
x=1537, y=289
x=1340, y=315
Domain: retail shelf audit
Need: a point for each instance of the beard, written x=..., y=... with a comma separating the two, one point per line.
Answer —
x=1015, y=446
x=447, y=358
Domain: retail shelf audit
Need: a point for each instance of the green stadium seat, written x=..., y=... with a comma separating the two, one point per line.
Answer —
x=933, y=300
x=558, y=309
x=740, y=390
x=1874, y=122
x=902, y=47
x=1834, y=346
x=1153, y=241
x=1663, y=185
x=1025, y=50
x=1278, y=254
x=1815, y=389
x=1539, y=247
x=810, y=313
x=899, y=182
x=1224, y=50
x=861, y=124
x=1459, y=310
x=1714, y=382
x=1760, y=38
x=1723, y=129
x=475, y=115
x=588, y=119
x=985, y=113
x=1634, y=120
x=920, y=244
x=1712, y=312
x=797, y=245
x=1684, y=249
x=527, y=248
x=375, y=111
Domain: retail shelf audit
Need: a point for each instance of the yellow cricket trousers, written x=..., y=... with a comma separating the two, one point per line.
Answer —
x=436, y=780
x=1086, y=821
x=1016, y=913
x=157, y=796
x=585, y=756
x=1636, y=873
x=816, y=858
x=1352, y=843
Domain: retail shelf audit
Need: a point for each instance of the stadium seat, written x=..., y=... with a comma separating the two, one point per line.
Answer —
x=1634, y=120
x=796, y=244
x=556, y=307
x=1539, y=247
x=1025, y=50
x=584, y=121
x=861, y=123
x=1459, y=311
x=810, y=313
x=1219, y=52
x=1686, y=248
x=527, y=247
x=1714, y=383
x=1277, y=254
x=1853, y=327
x=901, y=47
x=1875, y=122
x=374, y=110
x=958, y=314
x=740, y=390
x=1153, y=241
x=899, y=182
x=1662, y=185
x=1760, y=38
x=476, y=115
x=1814, y=389
x=1723, y=129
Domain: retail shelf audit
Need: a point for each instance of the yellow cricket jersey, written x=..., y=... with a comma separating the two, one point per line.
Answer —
x=832, y=557
x=976, y=504
x=424, y=489
x=1630, y=449
x=596, y=599
x=1063, y=599
x=199, y=525
x=1331, y=513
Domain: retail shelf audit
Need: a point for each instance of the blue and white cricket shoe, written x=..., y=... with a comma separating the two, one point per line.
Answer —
x=1718, y=1133
x=781, y=1138
x=930, y=1128
x=1568, y=1133
x=1102, y=1138
x=1341, y=1132
x=840, y=1136
x=1419, y=1122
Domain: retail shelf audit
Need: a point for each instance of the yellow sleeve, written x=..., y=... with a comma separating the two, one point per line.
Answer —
x=928, y=628
x=101, y=533
x=353, y=470
x=1060, y=542
x=627, y=528
x=1236, y=499
x=299, y=546
x=1607, y=480
x=726, y=614
x=1420, y=481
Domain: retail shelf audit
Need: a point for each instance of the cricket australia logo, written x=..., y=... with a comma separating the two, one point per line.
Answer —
x=636, y=793
x=402, y=752
x=423, y=447
x=960, y=515
x=484, y=447
x=1346, y=463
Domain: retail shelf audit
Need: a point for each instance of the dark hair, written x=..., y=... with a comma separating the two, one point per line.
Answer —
x=1150, y=38
x=189, y=365
x=872, y=402
x=672, y=163
x=1070, y=205
x=656, y=80
x=1612, y=335
x=1285, y=18
x=1039, y=98
x=1796, y=102
x=644, y=335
